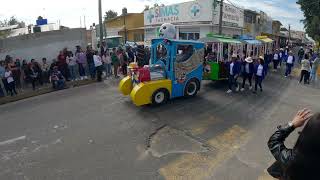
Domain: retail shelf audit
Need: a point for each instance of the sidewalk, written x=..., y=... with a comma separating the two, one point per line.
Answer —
x=27, y=93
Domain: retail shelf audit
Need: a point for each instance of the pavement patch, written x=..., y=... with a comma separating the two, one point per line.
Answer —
x=168, y=140
x=197, y=166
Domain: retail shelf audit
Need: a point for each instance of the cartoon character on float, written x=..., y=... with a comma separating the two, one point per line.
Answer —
x=175, y=70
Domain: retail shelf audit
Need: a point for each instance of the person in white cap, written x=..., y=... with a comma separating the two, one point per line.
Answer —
x=247, y=72
x=290, y=63
x=234, y=70
x=259, y=73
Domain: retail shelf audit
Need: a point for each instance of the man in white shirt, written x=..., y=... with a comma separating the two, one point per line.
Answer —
x=98, y=64
x=290, y=63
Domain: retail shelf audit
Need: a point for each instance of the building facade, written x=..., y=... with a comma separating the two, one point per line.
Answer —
x=131, y=23
x=193, y=20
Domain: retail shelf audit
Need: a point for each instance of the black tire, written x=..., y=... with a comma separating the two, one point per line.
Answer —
x=160, y=97
x=192, y=88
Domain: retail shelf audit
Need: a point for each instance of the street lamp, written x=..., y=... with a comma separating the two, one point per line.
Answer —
x=124, y=13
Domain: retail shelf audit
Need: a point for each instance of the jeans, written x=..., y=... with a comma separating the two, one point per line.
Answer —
x=258, y=82
x=304, y=75
x=1, y=91
x=6, y=85
x=92, y=71
x=313, y=74
x=99, y=73
x=12, y=88
x=82, y=71
x=58, y=84
x=245, y=77
x=288, y=70
x=108, y=69
x=275, y=64
x=73, y=72
x=232, y=81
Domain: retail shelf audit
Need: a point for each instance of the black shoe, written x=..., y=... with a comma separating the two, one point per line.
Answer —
x=261, y=90
x=254, y=92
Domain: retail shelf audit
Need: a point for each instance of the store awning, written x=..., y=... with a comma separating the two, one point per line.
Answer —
x=256, y=42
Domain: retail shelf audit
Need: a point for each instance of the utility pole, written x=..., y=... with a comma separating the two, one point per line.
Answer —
x=220, y=18
x=289, y=34
x=124, y=13
x=100, y=22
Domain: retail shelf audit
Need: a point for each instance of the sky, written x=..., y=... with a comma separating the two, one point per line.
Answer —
x=69, y=12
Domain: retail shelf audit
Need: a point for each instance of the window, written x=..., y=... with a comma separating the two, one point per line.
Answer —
x=161, y=52
x=138, y=37
x=184, y=52
x=189, y=35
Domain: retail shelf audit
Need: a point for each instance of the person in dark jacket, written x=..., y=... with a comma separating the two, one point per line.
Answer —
x=259, y=73
x=299, y=163
x=234, y=68
x=247, y=73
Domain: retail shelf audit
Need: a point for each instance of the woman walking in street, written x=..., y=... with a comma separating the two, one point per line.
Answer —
x=314, y=68
x=299, y=163
x=305, y=69
x=276, y=60
x=259, y=72
x=290, y=63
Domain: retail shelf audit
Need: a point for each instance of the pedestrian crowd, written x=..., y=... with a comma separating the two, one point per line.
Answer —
x=17, y=75
x=255, y=69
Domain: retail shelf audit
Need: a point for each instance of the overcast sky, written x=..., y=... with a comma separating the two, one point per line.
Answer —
x=70, y=11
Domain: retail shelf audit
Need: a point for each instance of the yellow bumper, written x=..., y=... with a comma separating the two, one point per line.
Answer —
x=142, y=93
x=125, y=86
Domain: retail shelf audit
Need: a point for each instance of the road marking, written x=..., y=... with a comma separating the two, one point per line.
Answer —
x=198, y=166
x=10, y=141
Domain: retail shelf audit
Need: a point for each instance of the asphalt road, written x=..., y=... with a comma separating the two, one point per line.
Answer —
x=94, y=133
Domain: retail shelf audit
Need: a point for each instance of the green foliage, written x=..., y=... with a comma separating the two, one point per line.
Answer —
x=311, y=11
x=110, y=14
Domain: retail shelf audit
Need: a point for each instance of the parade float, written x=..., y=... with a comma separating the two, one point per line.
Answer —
x=175, y=70
x=219, y=50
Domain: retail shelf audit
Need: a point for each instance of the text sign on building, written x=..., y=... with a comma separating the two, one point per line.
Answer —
x=184, y=12
x=232, y=16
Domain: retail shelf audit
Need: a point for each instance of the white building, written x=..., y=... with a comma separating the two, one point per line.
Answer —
x=194, y=19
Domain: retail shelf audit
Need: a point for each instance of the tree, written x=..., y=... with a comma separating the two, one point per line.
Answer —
x=110, y=14
x=311, y=11
x=146, y=8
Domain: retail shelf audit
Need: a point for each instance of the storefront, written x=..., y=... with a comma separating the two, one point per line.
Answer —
x=193, y=20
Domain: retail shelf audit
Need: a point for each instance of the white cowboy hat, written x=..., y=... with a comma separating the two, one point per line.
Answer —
x=260, y=57
x=234, y=56
x=249, y=60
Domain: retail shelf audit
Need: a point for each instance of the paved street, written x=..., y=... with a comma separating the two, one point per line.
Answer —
x=94, y=133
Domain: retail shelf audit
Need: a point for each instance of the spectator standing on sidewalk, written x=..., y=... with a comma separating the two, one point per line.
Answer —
x=72, y=64
x=2, y=72
x=115, y=62
x=11, y=84
x=62, y=64
x=57, y=79
x=90, y=62
x=123, y=58
x=300, y=162
x=106, y=59
x=82, y=61
x=2, y=75
x=45, y=71
x=32, y=75
x=305, y=69
x=98, y=65
x=314, y=68
x=290, y=63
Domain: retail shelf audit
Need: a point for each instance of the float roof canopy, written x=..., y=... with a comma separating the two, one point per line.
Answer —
x=264, y=39
x=219, y=39
x=252, y=42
